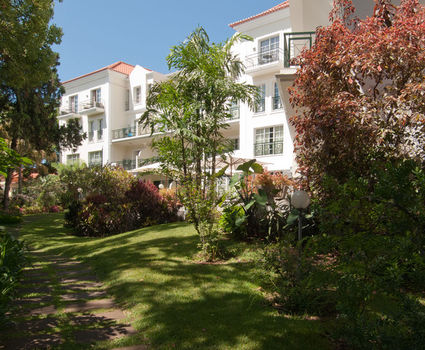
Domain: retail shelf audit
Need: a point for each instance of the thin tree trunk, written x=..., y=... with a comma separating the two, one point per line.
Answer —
x=7, y=185
x=20, y=180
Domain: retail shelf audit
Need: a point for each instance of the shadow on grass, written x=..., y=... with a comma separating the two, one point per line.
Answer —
x=173, y=301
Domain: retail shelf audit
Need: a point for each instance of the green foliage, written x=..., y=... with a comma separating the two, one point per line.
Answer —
x=102, y=201
x=263, y=201
x=390, y=202
x=233, y=221
x=195, y=104
x=12, y=261
x=30, y=90
x=10, y=158
x=7, y=218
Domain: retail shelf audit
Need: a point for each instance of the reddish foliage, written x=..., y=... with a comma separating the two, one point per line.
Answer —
x=361, y=92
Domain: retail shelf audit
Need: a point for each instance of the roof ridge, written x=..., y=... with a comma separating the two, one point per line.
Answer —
x=111, y=66
x=276, y=8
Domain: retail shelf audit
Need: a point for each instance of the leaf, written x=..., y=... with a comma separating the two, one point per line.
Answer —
x=249, y=205
x=246, y=166
x=239, y=221
x=292, y=218
x=258, y=169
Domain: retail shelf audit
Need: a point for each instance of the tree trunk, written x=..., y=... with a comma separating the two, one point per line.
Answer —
x=7, y=185
x=20, y=180
x=9, y=177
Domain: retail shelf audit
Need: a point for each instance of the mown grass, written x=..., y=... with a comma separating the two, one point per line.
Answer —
x=173, y=301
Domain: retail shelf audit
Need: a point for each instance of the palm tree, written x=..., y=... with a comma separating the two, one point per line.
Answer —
x=195, y=105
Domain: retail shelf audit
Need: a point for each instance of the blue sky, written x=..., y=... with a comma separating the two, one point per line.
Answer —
x=100, y=32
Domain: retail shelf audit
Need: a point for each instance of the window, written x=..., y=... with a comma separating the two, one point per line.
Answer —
x=234, y=110
x=137, y=95
x=73, y=104
x=235, y=144
x=100, y=129
x=127, y=100
x=277, y=101
x=72, y=158
x=95, y=96
x=269, y=50
x=261, y=105
x=95, y=158
x=268, y=141
x=91, y=130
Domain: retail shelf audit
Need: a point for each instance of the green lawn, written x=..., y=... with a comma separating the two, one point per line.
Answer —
x=174, y=302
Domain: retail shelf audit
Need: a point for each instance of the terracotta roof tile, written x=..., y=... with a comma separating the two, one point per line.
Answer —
x=120, y=67
x=276, y=8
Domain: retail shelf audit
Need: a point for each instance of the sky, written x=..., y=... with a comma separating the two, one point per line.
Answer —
x=97, y=33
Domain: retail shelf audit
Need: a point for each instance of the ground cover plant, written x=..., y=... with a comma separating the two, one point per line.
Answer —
x=176, y=302
x=12, y=261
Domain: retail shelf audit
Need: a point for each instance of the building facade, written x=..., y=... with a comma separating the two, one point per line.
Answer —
x=108, y=102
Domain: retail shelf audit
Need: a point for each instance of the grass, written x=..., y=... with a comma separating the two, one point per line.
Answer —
x=174, y=302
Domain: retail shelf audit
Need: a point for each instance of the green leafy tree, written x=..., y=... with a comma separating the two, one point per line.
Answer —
x=29, y=85
x=191, y=110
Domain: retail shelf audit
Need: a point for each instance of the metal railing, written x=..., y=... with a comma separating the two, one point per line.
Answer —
x=68, y=110
x=91, y=103
x=124, y=133
x=264, y=57
x=267, y=148
x=127, y=164
x=294, y=43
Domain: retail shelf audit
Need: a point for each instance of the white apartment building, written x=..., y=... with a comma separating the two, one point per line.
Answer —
x=109, y=101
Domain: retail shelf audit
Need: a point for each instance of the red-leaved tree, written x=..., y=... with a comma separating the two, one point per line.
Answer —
x=360, y=91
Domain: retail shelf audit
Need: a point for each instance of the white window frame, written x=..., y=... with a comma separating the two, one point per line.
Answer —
x=268, y=141
x=262, y=102
x=137, y=95
x=269, y=49
x=98, y=159
x=276, y=96
x=72, y=158
x=73, y=103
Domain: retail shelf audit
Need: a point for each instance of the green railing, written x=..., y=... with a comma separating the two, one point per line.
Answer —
x=294, y=43
x=267, y=148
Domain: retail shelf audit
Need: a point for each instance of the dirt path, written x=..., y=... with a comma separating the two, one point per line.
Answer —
x=62, y=305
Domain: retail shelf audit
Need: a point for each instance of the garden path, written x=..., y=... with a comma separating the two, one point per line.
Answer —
x=62, y=305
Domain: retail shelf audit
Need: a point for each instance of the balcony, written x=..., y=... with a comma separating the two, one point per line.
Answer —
x=268, y=148
x=127, y=164
x=294, y=44
x=264, y=61
x=68, y=112
x=91, y=107
x=124, y=133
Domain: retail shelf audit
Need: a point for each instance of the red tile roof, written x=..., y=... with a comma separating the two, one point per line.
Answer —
x=120, y=67
x=276, y=8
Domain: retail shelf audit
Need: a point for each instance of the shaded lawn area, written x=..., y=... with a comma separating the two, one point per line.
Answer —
x=174, y=302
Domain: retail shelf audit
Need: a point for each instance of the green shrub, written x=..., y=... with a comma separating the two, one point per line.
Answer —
x=114, y=202
x=7, y=218
x=12, y=261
